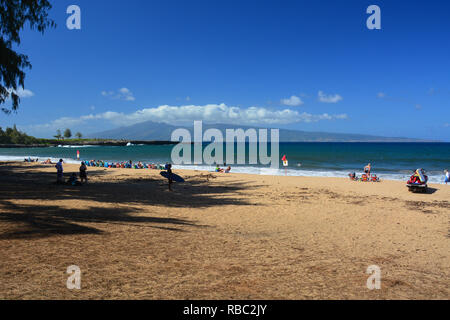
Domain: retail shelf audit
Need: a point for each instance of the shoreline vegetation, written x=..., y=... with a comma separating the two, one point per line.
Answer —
x=44, y=143
x=14, y=138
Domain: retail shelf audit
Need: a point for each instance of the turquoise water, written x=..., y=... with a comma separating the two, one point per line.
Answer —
x=389, y=160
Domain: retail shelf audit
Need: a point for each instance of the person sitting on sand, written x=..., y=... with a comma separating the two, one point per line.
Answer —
x=218, y=169
x=367, y=170
x=73, y=180
x=83, y=174
x=447, y=176
x=59, y=171
x=228, y=169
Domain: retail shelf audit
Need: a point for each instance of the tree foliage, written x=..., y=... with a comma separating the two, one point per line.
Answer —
x=14, y=15
x=67, y=133
x=14, y=136
x=58, y=134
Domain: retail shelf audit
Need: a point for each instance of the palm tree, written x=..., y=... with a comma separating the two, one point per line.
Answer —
x=58, y=134
x=78, y=135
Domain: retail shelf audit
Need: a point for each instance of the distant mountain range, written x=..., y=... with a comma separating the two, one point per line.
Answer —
x=153, y=131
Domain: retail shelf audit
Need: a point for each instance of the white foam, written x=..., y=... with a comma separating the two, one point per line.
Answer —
x=432, y=178
x=12, y=158
x=41, y=159
x=437, y=179
x=70, y=146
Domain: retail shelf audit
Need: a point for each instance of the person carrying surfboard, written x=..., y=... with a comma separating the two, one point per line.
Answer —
x=170, y=176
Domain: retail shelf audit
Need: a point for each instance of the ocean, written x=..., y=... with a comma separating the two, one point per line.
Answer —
x=390, y=161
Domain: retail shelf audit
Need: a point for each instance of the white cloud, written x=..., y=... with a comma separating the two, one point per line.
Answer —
x=293, y=101
x=329, y=98
x=210, y=113
x=22, y=93
x=25, y=93
x=121, y=94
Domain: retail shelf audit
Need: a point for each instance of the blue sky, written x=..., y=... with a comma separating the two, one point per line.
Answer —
x=308, y=65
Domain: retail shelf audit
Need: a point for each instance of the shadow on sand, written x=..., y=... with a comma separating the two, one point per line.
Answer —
x=31, y=221
x=431, y=190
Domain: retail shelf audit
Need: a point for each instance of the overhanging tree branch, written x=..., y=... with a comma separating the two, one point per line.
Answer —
x=14, y=14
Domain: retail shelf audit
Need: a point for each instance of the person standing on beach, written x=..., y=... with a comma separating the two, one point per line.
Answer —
x=83, y=174
x=169, y=177
x=367, y=169
x=447, y=176
x=59, y=171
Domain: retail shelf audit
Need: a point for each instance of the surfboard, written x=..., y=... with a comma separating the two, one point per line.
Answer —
x=175, y=177
x=421, y=176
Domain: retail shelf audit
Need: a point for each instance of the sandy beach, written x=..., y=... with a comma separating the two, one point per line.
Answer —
x=219, y=236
